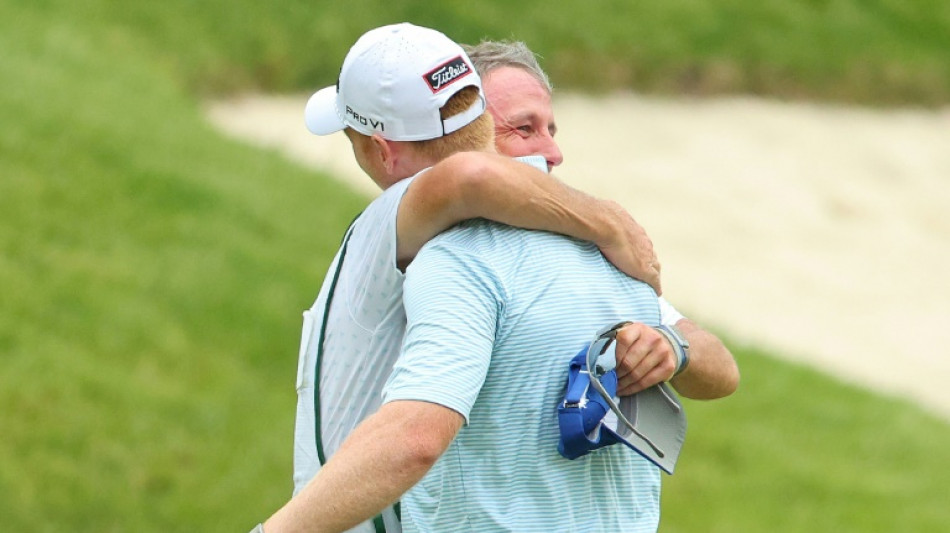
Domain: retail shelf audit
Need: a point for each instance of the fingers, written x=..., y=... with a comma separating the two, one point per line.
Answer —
x=642, y=247
x=628, y=387
x=636, y=264
x=651, y=272
x=650, y=265
x=644, y=358
x=652, y=276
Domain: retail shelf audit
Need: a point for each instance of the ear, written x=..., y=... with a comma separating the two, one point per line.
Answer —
x=387, y=153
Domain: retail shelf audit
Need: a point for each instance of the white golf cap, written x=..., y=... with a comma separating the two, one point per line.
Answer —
x=393, y=82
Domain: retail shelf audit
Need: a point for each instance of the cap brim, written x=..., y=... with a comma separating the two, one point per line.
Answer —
x=660, y=417
x=321, y=115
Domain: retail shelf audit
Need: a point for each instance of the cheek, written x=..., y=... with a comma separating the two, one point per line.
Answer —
x=511, y=145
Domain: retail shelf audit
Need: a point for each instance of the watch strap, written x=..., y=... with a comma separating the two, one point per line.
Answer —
x=680, y=346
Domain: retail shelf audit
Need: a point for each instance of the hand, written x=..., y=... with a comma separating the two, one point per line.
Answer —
x=629, y=248
x=644, y=358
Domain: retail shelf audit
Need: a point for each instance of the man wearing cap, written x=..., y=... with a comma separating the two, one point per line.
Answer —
x=388, y=105
x=472, y=345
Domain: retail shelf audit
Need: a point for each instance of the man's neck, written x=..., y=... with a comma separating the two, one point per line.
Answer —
x=412, y=162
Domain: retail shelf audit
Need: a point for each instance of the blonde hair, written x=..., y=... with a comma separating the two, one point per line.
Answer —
x=476, y=135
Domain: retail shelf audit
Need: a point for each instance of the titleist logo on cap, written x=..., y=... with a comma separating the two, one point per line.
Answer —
x=447, y=73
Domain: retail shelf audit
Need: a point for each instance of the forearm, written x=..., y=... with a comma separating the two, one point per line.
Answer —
x=712, y=372
x=383, y=458
x=481, y=185
x=340, y=497
x=513, y=193
x=519, y=195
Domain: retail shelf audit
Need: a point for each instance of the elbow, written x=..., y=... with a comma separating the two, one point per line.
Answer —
x=457, y=184
x=470, y=172
x=425, y=437
x=423, y=449
x=424, y=453
x=731, y=383
x=709, y=385
x=727, y=382
x=415, y=434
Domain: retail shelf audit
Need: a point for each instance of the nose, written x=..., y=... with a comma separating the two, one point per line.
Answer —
x=551, y=151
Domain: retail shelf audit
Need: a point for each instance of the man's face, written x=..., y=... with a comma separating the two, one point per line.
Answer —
x=524, y=118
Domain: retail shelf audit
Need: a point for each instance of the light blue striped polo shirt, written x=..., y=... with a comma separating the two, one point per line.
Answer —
x=494, y=316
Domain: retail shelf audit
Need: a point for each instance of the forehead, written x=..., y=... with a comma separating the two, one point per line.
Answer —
x=513, y=91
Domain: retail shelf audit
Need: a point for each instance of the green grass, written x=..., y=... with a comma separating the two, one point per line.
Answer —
x=795, y=450
x=153, y=276
x=152, y=273
x=865, y=51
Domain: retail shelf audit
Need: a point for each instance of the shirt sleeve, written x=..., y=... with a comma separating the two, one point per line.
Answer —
x=453, y=300
x=668, y=314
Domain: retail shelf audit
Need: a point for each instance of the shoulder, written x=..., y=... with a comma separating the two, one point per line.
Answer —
x=466, y=256
x=387, y=203
x=468, y=245
x=375, y=227
x=486, y=233
x=492, y=242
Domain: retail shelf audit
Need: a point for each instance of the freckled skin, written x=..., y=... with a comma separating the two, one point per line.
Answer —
x=524, y=118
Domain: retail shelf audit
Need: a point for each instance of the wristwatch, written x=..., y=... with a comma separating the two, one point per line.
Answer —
x=680, y=346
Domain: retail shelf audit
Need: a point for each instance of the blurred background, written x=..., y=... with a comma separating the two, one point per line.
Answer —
x=153, y=269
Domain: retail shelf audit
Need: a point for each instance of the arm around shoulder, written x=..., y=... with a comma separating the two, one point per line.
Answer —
x=484, y=185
